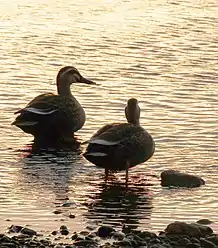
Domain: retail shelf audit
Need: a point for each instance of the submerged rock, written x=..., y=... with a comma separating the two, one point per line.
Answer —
x=179, y=179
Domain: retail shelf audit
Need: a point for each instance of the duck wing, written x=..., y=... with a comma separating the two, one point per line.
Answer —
x=118, y=144
x=115, y=133
x=43, y=104
x=39, y=108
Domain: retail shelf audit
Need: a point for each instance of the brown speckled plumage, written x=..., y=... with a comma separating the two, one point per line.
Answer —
x=54, y=116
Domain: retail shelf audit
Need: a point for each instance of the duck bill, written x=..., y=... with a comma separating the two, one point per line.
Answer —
x=86, y=81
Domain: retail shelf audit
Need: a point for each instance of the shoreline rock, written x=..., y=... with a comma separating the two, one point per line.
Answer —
x=176, y=235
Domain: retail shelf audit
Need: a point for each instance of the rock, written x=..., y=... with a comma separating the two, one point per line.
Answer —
x=71, y=216
x=118, y=235
x=180, y=179
x=54, y=233
x=192, y=230
x=57, y=212
x=86, y=243
x=105, y=231
x=204, y=230
x=213, y=238
x=204, y=222
x=74, y=236
x=28, y=231
x=15, y=229
x=207, y=244
x=84, y=233
x=64, y=230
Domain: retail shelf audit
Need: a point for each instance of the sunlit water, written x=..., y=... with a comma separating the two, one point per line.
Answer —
x=165, y=54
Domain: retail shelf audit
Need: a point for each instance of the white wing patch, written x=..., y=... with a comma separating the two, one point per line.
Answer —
x=40, y=111
x=96, y=154
x=103, y=142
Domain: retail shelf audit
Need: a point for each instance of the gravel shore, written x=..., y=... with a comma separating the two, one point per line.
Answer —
x=175, y=235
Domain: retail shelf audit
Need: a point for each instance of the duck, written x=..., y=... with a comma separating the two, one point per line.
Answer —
x=120, y=146
x=54, y=117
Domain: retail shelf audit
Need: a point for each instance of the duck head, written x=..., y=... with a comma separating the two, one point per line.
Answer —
x=67, y=76
x=132, y=111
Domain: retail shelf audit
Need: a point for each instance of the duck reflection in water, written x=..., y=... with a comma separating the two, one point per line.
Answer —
x=44, y=172
x=121, y=207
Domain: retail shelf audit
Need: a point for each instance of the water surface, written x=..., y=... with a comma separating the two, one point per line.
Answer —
x=162, y=52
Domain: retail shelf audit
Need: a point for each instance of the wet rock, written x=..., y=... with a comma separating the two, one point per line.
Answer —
x=84, y=233
x=92, y=235
x=206, y=243
x=204, y=222
x=28, y=231
x=74, y=236
x=180, y=179
x=86, y=243
x=57, y=211
x=193, y=229
x=54, y=233
x=64, y=230
x=105, y=231
x=8, y=245
x=213, y=238
x=68, y=204
x=72, y=216
x=118, y=235
x=91, y=228
x=15, y=229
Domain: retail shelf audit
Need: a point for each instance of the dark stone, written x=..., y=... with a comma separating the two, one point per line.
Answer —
x=63, y=227
x=105, y=231
x=54, y=233
x=64, y=231
x=72, y=216
x=206, y=243
x=68, y=204
x=92, y=235
x=194, y=245
x=28, y=231
x=213, y=238
x=146, y=234
x=184, y=241
x=118, y=235
x=125, y=243
x=74, y=236
x=57, y=212
x=204, y=222
x=84, y=233
x=192, y=230
x=205, y=230
x=86, y=243
x=179, y=179
x=15, y=228
x=8, y=245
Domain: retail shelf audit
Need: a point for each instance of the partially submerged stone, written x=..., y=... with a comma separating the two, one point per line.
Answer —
x=179, y=179
x=192, y=230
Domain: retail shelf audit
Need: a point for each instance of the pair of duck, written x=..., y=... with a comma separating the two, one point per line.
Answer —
x=55, y=117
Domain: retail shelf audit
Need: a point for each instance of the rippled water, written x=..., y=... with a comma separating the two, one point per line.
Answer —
x=165, y=54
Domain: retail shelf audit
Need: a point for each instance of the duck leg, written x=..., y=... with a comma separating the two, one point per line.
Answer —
x=127, y=173
x=106, y=174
